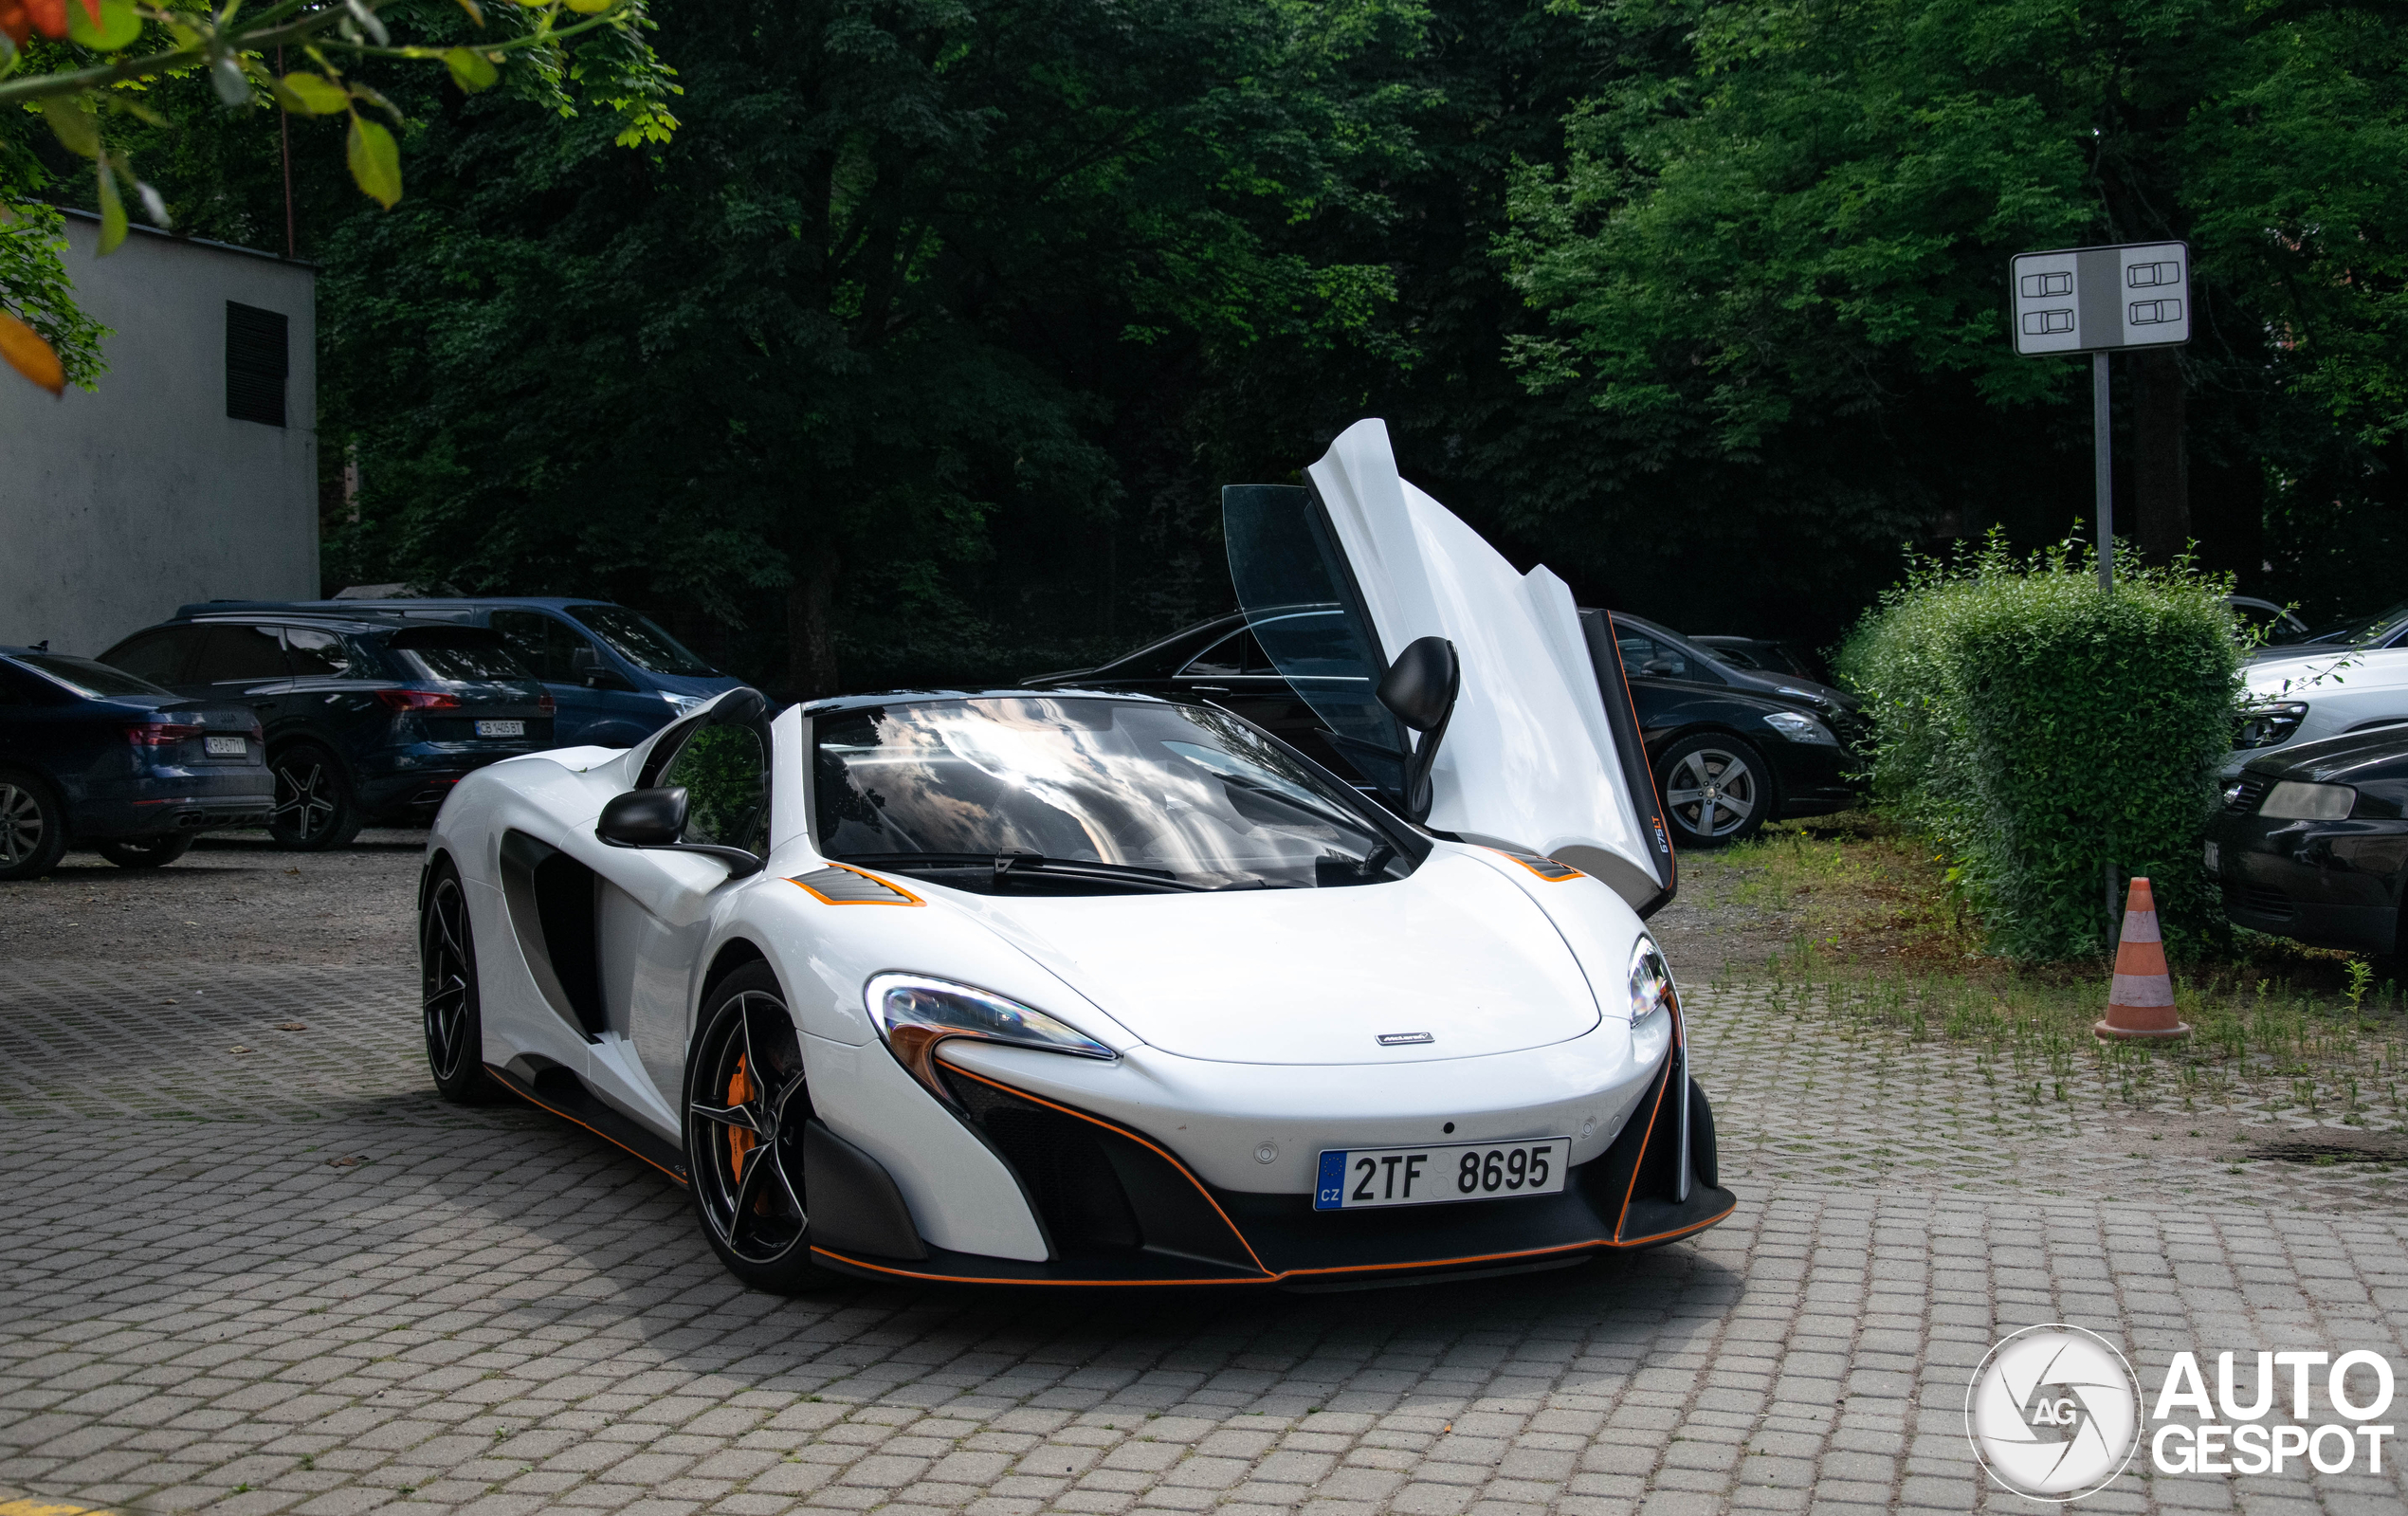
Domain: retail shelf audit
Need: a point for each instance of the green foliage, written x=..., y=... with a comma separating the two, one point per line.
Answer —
x=2042, y=730
x=34, y=289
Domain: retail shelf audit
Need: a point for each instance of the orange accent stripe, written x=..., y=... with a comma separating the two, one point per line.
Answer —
x=908, y=898
x=595, y=1130
x=1569, y=873
x=1109, y=1126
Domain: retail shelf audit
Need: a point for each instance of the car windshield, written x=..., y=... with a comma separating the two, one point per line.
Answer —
x=1084, y=793
x=2357, y=630
x=87, y=678
x=637, y=639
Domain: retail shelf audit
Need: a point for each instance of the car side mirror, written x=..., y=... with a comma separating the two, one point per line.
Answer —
x=655, y=819
x=587, y=668
x=1420, y=689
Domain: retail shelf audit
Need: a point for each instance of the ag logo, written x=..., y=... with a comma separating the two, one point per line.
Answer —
x=2054, y=1413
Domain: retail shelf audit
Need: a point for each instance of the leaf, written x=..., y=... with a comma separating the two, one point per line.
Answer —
x=50, y=18
x=471, y=71
x=112, y=211
x=313, y=95
x=375, y=161
x=104, y=25
x=476, y=11
x=25, y=351
x=154, y=204
x=591, y=7
x=76, y=126
x=233, y=86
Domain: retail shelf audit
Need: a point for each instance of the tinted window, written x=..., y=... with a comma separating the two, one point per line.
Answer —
x=97, y=681
x=542, y=643
x=1645, y=657
x=1226, y=656
x=462, y=662
x=237, y=654
x=157, y=656
x=17, y=687
x=724, y=772
x=637, y=640
x=317, y=654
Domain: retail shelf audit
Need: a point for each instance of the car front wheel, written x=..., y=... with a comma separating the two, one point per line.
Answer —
x=1717, y=790
x=746, y=1102
x=448, y=1002
x=34, y=826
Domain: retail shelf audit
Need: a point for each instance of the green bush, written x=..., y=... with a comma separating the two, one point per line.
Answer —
x=2041, y=730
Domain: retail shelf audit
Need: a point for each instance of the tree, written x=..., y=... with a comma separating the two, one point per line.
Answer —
x=89, y=77
x=1785, y=257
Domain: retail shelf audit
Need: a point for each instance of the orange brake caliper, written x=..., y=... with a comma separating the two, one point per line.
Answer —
x=739, y=1090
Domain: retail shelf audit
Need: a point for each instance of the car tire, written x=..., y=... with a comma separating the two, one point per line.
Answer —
x=746, y=1102
x=145, y=852
x=1716, y=790
x=450, y=1005
x=313, y=809
x=33, y=825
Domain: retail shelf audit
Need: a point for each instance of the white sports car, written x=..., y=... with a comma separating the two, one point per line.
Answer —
x=1096, y=989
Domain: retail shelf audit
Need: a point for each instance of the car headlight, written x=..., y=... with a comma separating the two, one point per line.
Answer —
x=914, y=1013
x=2270, y=724
x=1651, y=981
x=1799, y=727
x=680, y=705
x=2294, y=801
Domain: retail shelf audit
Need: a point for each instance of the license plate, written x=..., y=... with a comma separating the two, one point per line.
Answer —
x=1362, y=1179
x=225, y=747
x=2214, y=862
x=502, y=728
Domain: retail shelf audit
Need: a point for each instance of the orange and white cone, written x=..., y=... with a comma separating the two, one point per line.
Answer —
x=2141, y=1002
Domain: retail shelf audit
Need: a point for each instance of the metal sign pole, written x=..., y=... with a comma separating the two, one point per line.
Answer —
x=2103, y=481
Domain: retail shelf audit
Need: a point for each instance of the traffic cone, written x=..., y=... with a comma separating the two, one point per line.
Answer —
x=2141, y=1004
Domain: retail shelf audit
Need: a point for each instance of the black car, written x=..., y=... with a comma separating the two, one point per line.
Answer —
x=93, y=754
x=368, y=719
x=1765, y=655
x=2312, y=843
x=1729, y=750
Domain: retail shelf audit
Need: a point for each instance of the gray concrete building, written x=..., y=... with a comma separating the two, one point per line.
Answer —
x=192, y=473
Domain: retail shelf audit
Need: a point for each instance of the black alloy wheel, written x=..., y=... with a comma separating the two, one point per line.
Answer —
x=313, y=811
x=145, y=852
x=34, y=826
x=1717, y=789
x=448, y=976
x=746, y=1101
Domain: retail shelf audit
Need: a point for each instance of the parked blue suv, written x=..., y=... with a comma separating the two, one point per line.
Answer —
x=368, y=717
x=92, y=755
x=615, y=675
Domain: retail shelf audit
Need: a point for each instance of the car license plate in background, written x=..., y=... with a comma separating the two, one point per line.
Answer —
x=502, y=728
x=223, y=746
x=2214, y=863
x=1362, y=1179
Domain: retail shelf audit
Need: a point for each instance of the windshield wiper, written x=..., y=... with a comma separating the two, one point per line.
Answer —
x=1002, y=867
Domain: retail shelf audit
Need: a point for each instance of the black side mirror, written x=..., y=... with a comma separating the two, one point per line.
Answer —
x=587, y=668
x=656, y=820
x=1420, y=689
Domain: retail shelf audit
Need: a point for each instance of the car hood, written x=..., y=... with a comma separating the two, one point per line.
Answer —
x=2305, y=672
x=1457, y=951
x=2353, y=758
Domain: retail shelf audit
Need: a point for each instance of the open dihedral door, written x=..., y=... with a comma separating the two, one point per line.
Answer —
x=1338, y=578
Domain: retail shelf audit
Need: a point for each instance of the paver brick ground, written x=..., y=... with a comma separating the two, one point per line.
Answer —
x=287, y=1279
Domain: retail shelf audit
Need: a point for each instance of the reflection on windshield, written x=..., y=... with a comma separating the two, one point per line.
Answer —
x=1195, y=794
x=88, y=679
x=639, y=640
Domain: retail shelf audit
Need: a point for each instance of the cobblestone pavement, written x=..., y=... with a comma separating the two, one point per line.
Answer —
x=248, y=1264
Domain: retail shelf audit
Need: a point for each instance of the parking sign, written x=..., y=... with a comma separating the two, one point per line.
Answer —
x=2098, y=300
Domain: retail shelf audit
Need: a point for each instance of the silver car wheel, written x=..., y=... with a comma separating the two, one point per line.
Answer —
x=22, y=824
x=1714, y=792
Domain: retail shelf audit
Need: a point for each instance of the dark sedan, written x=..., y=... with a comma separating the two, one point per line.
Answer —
x=2312, y=843
x=93, y=754
x=1730, y=750
x=368, y=719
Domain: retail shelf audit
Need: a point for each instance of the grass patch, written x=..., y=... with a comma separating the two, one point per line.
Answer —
x=1878, y=937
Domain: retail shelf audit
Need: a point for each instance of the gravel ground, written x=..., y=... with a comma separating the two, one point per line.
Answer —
x=235, y=898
